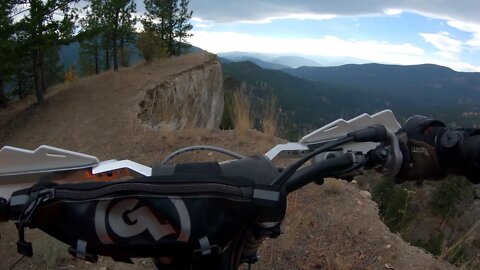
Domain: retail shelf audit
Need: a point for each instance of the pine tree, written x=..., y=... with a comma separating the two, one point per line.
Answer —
x=7, y=46
x=171, y=17
x=54, y=70
x=118, y=21
x=41, y=29
x=183, y=26
x=169, y=20
x=23, y=78
x=149, y=45
x=127, y=33
x=109, y=27
x=90, y=54
x=90, y=38
x=157, y=17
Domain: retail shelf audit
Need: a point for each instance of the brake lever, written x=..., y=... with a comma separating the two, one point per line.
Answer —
x=341, y=127
x=395, y=158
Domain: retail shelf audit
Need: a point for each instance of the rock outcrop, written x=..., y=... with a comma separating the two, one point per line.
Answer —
x=192, y=99
x=112, y=114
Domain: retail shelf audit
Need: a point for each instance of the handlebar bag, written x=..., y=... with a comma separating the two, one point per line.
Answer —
x=184, y=215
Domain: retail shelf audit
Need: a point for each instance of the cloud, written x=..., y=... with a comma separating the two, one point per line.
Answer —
x=447, y=55
x=465, y=26
x=472, y=28
x=443, y=42
x=202, y=25
x=330, y=46
x=393, y=11
x=258, y=10
x=299, y=16
x=326, y=46
x=474, y=43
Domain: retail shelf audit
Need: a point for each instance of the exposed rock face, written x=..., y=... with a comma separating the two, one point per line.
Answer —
x=193, y=98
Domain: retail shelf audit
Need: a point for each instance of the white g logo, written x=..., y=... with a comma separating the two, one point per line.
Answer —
x=139, y=220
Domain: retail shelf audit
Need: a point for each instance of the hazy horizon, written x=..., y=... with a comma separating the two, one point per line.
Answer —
x=405, y=32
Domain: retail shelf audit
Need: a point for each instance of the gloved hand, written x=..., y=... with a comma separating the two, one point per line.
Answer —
x=431, y=151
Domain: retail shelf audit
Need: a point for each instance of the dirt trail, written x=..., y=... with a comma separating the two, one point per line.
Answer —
x=98, y=114
x=327, y=227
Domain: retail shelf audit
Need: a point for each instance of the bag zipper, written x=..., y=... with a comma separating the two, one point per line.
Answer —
x=157, y=189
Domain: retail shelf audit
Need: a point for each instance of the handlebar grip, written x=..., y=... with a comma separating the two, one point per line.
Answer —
x=375, y=133
x=4, y=210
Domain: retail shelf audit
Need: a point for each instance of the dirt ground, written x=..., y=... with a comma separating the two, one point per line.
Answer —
x=333, y=226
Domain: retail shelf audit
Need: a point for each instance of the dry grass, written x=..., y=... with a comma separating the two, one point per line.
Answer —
x=270, y=121
x=449, y=253
x=49, y=252
x=17, y=107
x=333, y=186
x=241, y=117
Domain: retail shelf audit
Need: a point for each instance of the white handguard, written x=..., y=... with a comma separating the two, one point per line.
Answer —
x=15, y=161
x=21, y=168
x=335, y=130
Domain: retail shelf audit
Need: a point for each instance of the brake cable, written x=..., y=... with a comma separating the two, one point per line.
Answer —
x=290, y=170
x=202, y=147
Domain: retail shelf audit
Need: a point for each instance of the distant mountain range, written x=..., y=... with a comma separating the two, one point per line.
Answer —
x=313, y=96
x=417, y=84
x=270, y=61
x=256, y=61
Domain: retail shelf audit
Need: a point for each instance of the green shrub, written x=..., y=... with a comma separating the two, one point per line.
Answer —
x=456, y=255
x=394, y=203
x=227, y=121
x=150, y=46
x=449, y=193
x=433, y=245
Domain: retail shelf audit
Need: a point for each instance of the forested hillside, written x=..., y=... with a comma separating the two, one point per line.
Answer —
x=43, y=43
x=312, y=96
x=304, y=104
x=426, y=89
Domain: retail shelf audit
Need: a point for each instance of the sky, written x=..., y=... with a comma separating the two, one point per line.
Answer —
x=406, y=32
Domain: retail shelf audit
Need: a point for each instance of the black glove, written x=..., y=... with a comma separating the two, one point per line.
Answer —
x=431, y=151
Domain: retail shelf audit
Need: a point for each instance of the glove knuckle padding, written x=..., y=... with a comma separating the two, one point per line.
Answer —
x=416, y=124
x=424, y=158
x=431, y=150
x=421, y=162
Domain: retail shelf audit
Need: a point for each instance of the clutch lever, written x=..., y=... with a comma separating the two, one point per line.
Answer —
x=339, y=128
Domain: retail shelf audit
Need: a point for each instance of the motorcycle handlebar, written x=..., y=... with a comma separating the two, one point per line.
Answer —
x=323, y=169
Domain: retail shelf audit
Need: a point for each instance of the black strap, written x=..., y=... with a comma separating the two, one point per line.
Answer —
x=210, y=168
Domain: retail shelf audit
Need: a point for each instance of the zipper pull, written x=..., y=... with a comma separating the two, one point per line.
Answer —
x=24, y=247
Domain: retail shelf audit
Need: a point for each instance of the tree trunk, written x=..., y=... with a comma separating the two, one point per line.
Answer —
x=97, y=71
x=107, y=59
x=171, y=42
x=179, y=44
x=172, y=46
x=43, y=83
x=3, y=98
x=36, y=76
x=114, y=37
x=122, y=55
x=19, y=86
